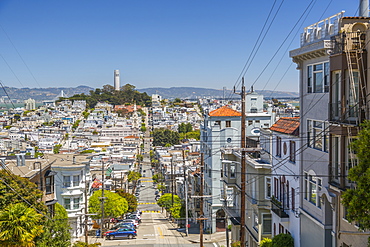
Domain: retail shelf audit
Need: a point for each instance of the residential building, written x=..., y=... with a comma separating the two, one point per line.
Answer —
x=280, y=147
x=221, y=128
x=72, y=182
x=348, y=107
x=316, y=202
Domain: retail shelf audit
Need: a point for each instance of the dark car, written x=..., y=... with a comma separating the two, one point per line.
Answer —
x=121, y=233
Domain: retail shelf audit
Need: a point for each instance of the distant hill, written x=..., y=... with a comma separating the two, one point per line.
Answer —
x=195, y=92
x=40, y=94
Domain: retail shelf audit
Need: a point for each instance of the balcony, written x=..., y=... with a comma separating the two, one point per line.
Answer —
x=348, y=115
x=348, y=42
x=278, y=209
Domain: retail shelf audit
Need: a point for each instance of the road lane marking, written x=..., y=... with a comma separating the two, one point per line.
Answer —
x=141, y=203
x=160, y=232
x=151, y=211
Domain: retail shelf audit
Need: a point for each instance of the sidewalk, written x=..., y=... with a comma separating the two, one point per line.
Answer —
x=219, y=238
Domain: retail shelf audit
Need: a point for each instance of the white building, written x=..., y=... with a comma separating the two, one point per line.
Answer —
x=72, y=179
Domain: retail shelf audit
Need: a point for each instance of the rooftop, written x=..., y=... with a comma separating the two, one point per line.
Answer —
x=224, y=111
x=287, y=125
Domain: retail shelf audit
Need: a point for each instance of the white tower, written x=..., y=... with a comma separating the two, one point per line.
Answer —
x=116, y=80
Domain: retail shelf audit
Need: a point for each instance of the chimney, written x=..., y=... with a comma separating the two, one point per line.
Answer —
x=364, y=8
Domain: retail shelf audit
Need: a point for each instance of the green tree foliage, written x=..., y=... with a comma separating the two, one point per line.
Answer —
x=56, y=148
x=83, y=244
x=266, y=242
x=75, y=125
x=165, y=201
x=13, y=188
x=130, y=198
x=56, y=229
x=158, y=177
x=133, y=177
x=185, y=128
x=19, y=225
x=283, y=240
x=190, y=135
x=177, y=100
x=114, y=205
x=163, y=136
x=161, y=187
x=126, y=94
x=357, y=200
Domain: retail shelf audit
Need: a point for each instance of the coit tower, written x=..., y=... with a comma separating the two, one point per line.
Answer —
x=116, y=80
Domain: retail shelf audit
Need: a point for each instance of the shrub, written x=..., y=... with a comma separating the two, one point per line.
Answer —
x=266, y=242
x=283, y=240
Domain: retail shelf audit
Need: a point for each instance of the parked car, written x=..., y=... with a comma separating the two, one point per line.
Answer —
x=121, y=233
x=133, y=221
x=135, y=217
x=125, y=224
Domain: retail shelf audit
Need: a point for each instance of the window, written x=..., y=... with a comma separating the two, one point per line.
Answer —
x=218, y=123
x=278, y=146
x=292, y=151
x=309, y=79
x=318, y=78
x=317, y=135
x=276, y=187
x=76, y=203
x=228, y=123
x=326, y=77
x=335, y=158
x=353, y=94
x=293, y=198
x=49, y=185
x=66, y=181
x=266, y=224
x=253, y=110
x=232, y=171
x=268, y=188
x=255, y=221
x=76, y=180
x=314, y=186
x=67, y=203
x=250, y=122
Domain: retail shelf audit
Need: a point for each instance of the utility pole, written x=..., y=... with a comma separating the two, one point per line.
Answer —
x=243, y=169
x=85, y=225
x=172, y=178
x=201, y=200
x=186, y=194
x=102, y=201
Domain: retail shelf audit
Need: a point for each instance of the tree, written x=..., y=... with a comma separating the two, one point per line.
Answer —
x=114, y=205
x=130, y=198
x=133, y=177
x=19, y=225
x=15, y=189
x=165, y=201
x=158, y=177
x=357, y=200
x=56, y=229
x=163, y=136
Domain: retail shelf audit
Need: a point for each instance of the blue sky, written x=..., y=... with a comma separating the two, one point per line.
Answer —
x=154, y=43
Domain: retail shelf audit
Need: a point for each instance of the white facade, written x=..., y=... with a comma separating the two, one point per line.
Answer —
x=70, y=181
x=116, y=80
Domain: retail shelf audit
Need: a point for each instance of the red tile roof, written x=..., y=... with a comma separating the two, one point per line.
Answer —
x=224, y=111
x=287, y=125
